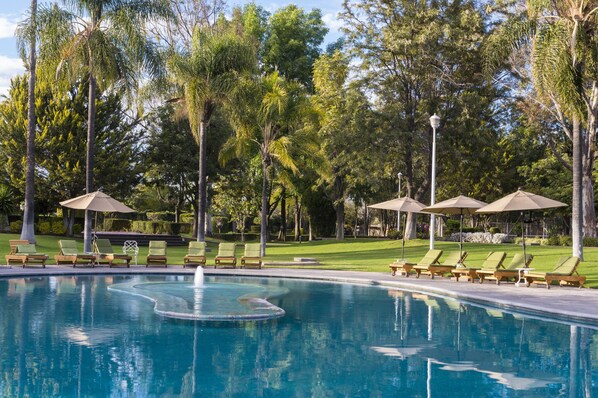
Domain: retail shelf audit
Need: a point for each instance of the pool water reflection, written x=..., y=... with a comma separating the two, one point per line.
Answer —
x=71, y=336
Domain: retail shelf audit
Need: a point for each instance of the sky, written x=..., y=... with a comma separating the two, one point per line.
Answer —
x=13, y=11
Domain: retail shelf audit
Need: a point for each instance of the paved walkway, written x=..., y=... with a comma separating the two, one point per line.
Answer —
x=569, y=304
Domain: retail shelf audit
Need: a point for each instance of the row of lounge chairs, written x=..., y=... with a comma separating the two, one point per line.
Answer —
x=493, y=268
x=24, y=253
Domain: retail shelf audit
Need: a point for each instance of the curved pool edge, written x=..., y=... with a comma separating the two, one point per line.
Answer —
x=566, y=304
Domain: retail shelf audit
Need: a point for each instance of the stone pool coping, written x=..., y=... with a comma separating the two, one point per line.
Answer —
x=566, y=304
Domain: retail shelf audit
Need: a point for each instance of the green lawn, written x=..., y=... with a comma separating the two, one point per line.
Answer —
x=372, y=255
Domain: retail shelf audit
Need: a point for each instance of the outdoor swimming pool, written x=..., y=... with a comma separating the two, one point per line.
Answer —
x=71, y=336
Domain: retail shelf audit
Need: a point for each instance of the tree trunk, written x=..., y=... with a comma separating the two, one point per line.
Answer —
x=589, y=212
x=28, y=231
x=195, y=220
x=577, y=208
x=91, y=119
x=282, y=235
x=297, y=218
x=339, y=204
x=264, y=209
x=202, y=192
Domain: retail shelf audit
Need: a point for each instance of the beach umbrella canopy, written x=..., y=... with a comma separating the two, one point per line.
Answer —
x=406, y=205
x=521, y=201
x=97, y=201
x=458, y=205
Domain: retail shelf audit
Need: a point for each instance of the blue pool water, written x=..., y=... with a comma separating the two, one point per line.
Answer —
x=71, y=336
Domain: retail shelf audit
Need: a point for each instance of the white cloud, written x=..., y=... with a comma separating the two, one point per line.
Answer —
x=332, y=22
x=7, y=27
x=9, y=67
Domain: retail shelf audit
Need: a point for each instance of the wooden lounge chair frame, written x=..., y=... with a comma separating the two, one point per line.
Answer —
x=565, y=273
x=157, y=254
x=493, y=258
x=69, y=254
x=226, y=255
x=25, y=254
x=504, y=273
x=431, y=257
x=251, y=257
x=105, y=254
x=449, y=264
x=196, y=255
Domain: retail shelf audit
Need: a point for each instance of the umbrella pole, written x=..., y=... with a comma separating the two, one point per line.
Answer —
x=523, y=241
x=461, y=237
x=403, y=240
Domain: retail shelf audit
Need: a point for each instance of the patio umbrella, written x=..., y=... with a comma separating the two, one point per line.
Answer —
x=406, y=205
x=95, y=201
x=521, y=201
x=458, y=205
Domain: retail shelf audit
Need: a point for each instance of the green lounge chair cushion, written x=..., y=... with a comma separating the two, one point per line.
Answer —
x=68, y=247
x=226, y=250
x=430, y=258
x=517, y=261
x=454, y=258
x=157, y=248
x=197, y=248
x=494, y=260
x=104, y=246
x=252, y=250
x=26, y=249
x=565, y=266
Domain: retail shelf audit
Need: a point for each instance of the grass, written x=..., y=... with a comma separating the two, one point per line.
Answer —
x=372, y=255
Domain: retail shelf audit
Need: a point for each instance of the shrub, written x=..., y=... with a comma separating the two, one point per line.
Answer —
x=565, y=240
x=187, y=218
x=589, y=241
x=393, y=233
x=160, y=216
x=452, y=226
x=77, y=228
x=480, y=237
x=44, y=227
x=16, y=226
x=58, y=228
x=494, y=230
x=553, y=240
x=117, y=224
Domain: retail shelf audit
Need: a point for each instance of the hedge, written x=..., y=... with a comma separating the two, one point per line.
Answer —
x=160, y=227
x=117, y=224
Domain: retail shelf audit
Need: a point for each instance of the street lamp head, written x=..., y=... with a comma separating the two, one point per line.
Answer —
x=400, y=174
x=435, y=121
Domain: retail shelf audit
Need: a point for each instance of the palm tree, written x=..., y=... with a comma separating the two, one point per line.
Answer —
x=266, y=110
x=208, y=73
x=104, y=42
x=563, y=60
x=28, y=35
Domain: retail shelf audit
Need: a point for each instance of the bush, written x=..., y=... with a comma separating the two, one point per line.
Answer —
x=58, y=228
x=187, y=218
x=553, y=240
x=480, y=237
x=494, y=230
x=452, y=226
x=44, y=227
x=393, y=233
x=565, y=240
x=160, y=227
x=16, y=227
x=160, y=216
x=589, y=241
x=117, y=224
x=77, y=228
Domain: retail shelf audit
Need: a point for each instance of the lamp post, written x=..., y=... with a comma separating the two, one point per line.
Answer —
x=399, y=175
x=435, y=123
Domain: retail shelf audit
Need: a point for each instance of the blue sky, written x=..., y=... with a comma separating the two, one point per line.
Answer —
x=13, y=11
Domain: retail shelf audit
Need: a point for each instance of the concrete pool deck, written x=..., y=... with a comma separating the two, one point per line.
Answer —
x=567, y=304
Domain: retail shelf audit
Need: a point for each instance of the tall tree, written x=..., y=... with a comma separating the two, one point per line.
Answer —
x=208, y=73
x=266, y=112
x=27, y=34
x=106, y=43
x=562, y=43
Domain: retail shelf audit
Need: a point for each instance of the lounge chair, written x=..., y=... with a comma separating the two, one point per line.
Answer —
x=13, y=250
x=226, y=255
x=565, y=273
x=452, y=260
x=105, y=254
x=252, y=256
x=69, y=254
x=196, y=254
x=25, y=254
x=431, y=257
x=504, y=273
x=157, y=254
x=492, y=262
